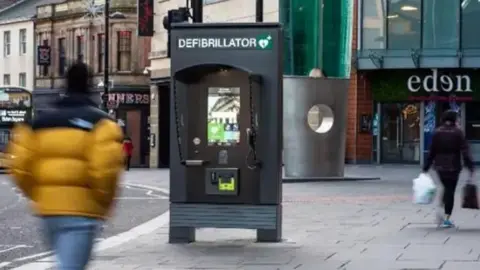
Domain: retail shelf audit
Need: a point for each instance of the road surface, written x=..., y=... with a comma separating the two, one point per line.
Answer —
x=21, y=243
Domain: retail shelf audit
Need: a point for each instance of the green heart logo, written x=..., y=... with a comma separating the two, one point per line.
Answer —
x=265, y=42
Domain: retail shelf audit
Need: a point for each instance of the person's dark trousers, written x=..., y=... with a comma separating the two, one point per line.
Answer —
x=449, y=181
x=127, y=162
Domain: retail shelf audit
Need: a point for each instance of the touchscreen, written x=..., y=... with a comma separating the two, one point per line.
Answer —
x=223, y=116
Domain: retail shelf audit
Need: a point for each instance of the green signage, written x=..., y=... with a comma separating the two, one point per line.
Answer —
x=216, y=132
x=260, y=42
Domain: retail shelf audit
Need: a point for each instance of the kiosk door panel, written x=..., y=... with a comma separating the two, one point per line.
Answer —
x=217, y=135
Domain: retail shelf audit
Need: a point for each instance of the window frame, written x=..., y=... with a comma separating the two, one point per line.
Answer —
x=22, y=39
x=101, y=52
x=44, y=69
x=7, y=43
x=7, y=80
x=62, y=55
x=124, y=46
x=22, y=79
x=80, y=48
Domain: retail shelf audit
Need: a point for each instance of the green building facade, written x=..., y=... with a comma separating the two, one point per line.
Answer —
x=317, y=35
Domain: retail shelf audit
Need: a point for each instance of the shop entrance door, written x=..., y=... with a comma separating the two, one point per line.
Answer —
x=400, y=133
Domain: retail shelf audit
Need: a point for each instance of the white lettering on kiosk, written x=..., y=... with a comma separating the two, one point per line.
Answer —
x=216, y=43
x=435, y=83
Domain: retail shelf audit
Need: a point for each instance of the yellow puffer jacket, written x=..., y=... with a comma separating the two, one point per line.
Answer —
x=68, y=162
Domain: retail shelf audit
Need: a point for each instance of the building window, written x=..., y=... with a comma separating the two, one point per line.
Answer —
x=44, y=69
x=6, y=43
x=80, y=48
x=373, y=24
x=6, y=79
x=22, y=79
x=440, y=24
x=404, y=24
x=124, y=50
x=22, y=37
x=470, y=22
x=101, y=52
x=62, y=57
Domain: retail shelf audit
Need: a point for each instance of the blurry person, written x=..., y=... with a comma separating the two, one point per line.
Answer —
x=448, y=148
x=127, y=150
x=67, y=163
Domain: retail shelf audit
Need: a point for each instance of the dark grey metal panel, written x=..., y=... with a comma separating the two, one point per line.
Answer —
x=225, y=216
x=307, y=153
x=267, y=64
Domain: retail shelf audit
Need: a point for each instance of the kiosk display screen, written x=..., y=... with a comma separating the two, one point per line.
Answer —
x=223, y=116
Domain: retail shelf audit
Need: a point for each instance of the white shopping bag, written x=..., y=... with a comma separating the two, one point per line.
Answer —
x=424, y=189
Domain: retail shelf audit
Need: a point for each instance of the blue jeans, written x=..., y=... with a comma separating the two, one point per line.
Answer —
x=71, y=238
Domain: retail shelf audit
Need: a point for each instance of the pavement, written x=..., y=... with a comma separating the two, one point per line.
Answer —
x=364, y=225
x=21, y=242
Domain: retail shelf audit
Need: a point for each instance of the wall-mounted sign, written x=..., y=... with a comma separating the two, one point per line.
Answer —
x=13, y=116
x=365, y=123
x=260, y=42
x=43, y=55
x=439, y=83
x=152, y=140
x=130, y=98
x=145, y=18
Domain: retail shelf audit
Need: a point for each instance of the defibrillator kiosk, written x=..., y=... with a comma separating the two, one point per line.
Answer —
x=226, y=129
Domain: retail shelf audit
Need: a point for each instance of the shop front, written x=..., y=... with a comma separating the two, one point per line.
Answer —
x=408, y=105
x=132, y=114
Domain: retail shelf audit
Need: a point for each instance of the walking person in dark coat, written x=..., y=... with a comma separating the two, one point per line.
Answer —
x=448, y=148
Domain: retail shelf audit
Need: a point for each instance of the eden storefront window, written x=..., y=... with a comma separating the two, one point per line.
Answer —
x=440, y=24
x=419, y=24
x=404, y=24
x=470, y=16
x=373, y=22
x=472, y=128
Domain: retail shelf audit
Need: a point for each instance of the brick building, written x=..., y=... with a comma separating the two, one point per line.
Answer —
x=359, y=145
x=413, y=60
x=74, y=35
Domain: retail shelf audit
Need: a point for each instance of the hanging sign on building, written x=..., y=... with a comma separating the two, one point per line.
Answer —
x=130, y=98
x=436, y=82
x=145, y=18
x=43, y=55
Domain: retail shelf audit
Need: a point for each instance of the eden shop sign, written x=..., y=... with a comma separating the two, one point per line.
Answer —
x=435, y=83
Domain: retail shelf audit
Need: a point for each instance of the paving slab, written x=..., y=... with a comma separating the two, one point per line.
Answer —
x=365, y=225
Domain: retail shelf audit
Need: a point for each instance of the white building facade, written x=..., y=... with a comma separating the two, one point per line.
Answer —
x=17, y=55
x=213, y=11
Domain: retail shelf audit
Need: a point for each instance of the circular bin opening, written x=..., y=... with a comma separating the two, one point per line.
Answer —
x=320, y=118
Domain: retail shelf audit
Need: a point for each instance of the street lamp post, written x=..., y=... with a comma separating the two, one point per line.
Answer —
x=106, y=54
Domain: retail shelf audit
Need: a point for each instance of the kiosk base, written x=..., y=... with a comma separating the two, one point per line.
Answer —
x=186, y=217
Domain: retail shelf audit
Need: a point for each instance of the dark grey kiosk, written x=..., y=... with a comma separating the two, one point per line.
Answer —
x=226, y=96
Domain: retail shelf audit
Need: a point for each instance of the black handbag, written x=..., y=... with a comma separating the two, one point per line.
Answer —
x=470, y=196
